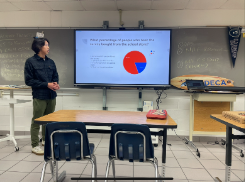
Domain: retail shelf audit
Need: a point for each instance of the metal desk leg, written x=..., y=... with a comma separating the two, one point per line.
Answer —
x=164, y=145
x=191, y=127
x=228, y=154
x=191, y=123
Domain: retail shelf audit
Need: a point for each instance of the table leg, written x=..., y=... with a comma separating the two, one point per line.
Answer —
x=164, y=145
x=228, y=154
x=191, y=121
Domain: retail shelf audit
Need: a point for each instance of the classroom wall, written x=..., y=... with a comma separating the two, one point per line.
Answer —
x=176, y=103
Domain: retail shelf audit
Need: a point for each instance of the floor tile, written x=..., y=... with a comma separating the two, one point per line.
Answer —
x=26, y=149
x=197, y=174
x=179, y=154
x=34, y=158
x=3, y=144
x=102, y=159
x=176, y=173
x=7, y=149
x=236, y=165
x=176, y=142
x=121, y=170
x=212, y=164
x=125, y=162
x=159, y=148
x=179, y=147
x=5, y=165
x=205, y=155
x=216, y=149
x=200, y=148
x=35, y=177
x=2, y=155
x=101, y=151
x=183, y=155
x=16, y=156
x=171, y=162
x=68, y=178
x=12, y=176
x=239, y=173
x=144, y=171
x=104, y=144
x=158, y=154
x=24, y=166
x=39, y=168
x=221, y=175
x=190, y=163
x=221, y=156
x=237, y=156
x=73, y=168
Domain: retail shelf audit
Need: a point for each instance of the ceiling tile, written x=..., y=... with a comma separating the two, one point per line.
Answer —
x=134, y=0
x=56, y=0
x=97, y=0
x=19, y=0
x=205, y=4
x=234, y=4
x=99, y=6
x=8, y=7
x=66, y=6
x=1, y=1
x=169, y=4
x=32, y=6
x=134, y=5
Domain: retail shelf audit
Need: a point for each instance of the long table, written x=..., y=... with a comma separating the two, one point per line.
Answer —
x=108, y=118
x=229, y=136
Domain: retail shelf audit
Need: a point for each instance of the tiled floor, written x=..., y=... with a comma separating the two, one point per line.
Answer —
x=182, y=163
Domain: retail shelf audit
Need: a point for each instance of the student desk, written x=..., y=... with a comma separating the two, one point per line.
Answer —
x=11, y=103
x=108, y=118
x=229, y=136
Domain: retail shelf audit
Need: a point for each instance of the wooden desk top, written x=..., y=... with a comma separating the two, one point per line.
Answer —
x=11, y=88
x=106, y=118
x=8, y=88
x=228, y=122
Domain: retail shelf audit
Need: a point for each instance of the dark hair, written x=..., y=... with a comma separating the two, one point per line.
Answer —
x=37, y=44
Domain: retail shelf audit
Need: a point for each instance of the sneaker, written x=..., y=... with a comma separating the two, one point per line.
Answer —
x=37, y=150
x=43, y=143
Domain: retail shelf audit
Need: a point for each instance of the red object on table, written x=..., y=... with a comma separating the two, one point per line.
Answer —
x=156, y=114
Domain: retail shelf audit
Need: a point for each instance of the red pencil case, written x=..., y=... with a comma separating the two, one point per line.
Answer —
x=156, y=114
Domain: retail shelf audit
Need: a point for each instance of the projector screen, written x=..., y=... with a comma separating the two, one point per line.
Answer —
x=138, y=58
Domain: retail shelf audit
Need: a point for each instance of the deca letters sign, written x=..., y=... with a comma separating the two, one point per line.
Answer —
x=208, y=80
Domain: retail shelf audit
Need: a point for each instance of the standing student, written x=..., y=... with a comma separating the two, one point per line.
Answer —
x=41, y=74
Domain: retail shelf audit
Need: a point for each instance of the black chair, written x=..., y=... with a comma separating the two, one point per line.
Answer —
x=133, y=143
x=66, y=141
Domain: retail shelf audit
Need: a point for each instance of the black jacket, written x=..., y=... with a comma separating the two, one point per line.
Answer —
x=38, y=73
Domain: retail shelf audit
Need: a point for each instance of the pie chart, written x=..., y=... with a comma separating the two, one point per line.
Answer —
x=134, y=62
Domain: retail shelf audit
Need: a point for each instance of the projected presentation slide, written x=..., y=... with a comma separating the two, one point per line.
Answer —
x=122, y=57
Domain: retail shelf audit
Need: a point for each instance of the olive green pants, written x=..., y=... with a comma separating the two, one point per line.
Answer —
x=40, y=108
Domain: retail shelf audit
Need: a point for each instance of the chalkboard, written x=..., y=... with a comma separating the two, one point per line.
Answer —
x=194, y=51
x=15, y=48
x=205, y=51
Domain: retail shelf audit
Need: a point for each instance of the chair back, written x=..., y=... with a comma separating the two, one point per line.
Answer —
x=66, y=141
x=131, y=142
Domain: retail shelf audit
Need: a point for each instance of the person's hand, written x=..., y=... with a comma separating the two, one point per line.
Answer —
x=51, y=86
x=56, y=86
